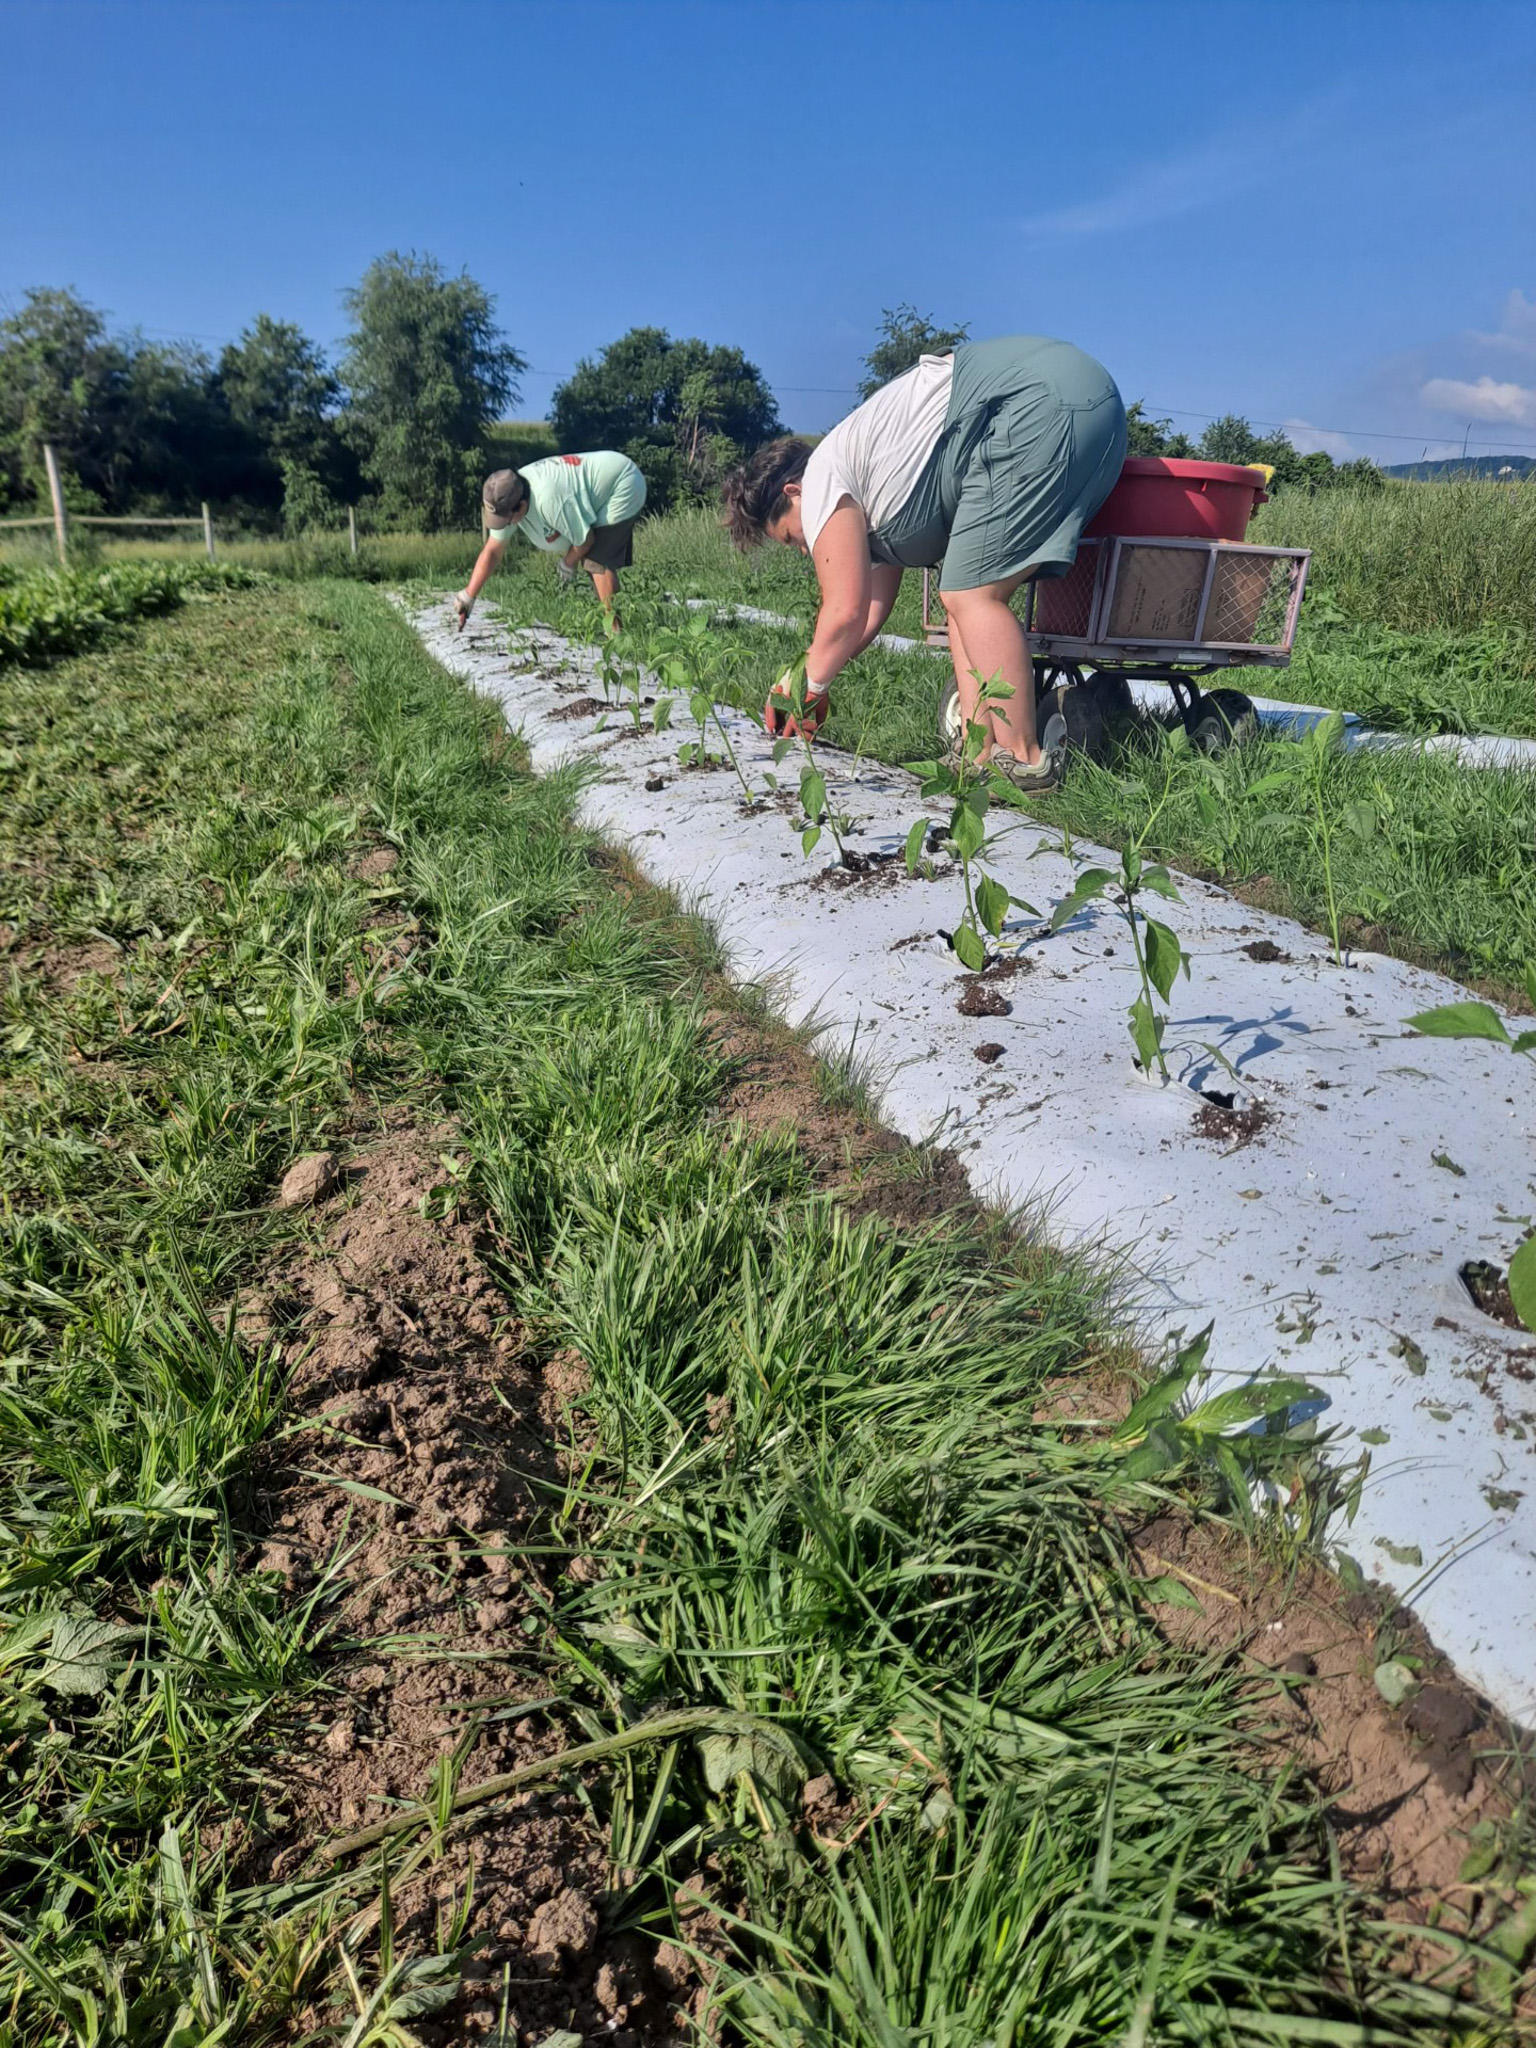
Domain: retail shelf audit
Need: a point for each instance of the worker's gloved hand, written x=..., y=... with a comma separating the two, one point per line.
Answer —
x=796, y=705
x=463, y=604
x=565, y=570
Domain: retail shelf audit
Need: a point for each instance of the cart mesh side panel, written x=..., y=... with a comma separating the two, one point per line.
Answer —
x=1064, y=604
x=1157, y=593
x=1250, y=599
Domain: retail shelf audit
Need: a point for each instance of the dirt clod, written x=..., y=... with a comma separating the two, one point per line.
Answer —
x=567, y=1922
x=1300, y=1665
x=981, y=1001
x=1235, y=1128
x=989, y=1054
x=655, y=783
x=308, y=1180
x=1266, y=952
x=579, y=707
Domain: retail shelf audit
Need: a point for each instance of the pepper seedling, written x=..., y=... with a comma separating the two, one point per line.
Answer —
x=967, y=784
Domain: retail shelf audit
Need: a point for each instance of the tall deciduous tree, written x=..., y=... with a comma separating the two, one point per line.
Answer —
x=905, y=334
x=682, y=409
x=426, y=370
x=62, y=381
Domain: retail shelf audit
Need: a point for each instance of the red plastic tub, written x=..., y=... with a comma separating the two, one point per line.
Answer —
x=1163, y=497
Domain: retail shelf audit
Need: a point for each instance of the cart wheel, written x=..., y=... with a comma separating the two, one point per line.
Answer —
x=1077, y=706
x=1222, y=719
x=1111, y=691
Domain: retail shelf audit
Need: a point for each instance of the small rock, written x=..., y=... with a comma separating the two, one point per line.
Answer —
x=1442, y=1715
x=340, y=1739
x=673, y=1966
x=308, y=1180
x=566, y=1922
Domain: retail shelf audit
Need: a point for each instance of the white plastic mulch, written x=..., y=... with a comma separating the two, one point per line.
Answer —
x=1327, y=1245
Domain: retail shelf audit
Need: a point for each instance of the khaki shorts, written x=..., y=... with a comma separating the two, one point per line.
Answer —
x=613, y=547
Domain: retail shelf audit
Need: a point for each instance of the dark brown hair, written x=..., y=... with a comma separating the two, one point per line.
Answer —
x=754, y=493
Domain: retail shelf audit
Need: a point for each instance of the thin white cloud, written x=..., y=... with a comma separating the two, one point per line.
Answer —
x=1152, y=192
x=1308, y=438
x=1511, y=405
x=1516, y=331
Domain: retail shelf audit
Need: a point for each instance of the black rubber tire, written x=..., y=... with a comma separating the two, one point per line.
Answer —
x=1078, y=707
x=1112, y=694
x=1223, y=718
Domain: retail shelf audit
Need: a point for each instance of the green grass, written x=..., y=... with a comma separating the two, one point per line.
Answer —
x=1446, y=876
x=815, y=1485
x=1456, y=557
x=46, y=612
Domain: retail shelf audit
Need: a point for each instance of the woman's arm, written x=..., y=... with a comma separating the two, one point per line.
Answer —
x=884, y=587
x=480, y=575
x=841, y=557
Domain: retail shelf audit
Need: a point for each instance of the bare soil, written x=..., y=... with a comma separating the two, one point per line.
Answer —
x=1405, y=1787
x=1235, y=1128
x=429, y=1433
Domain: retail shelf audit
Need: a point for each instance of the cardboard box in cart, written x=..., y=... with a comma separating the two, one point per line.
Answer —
x=1157, y=593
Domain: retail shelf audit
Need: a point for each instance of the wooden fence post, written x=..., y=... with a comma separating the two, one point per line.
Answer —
x=208, y=530
x=56, y=492
x=352, y=526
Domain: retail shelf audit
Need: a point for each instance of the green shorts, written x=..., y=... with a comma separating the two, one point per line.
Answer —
x=613, y=547
x=1033, y=443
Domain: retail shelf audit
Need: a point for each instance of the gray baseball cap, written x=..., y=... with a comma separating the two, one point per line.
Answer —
x=503, y=494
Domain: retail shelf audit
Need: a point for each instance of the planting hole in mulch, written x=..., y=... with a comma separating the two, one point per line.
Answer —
x=981, y=1001
x=882, y=870
x=579, y=707
x=1265, y=951
x=1219, y=1120
x=1489, y=1289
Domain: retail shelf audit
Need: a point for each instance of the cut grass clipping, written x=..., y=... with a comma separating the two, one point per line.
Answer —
x=812, y=1495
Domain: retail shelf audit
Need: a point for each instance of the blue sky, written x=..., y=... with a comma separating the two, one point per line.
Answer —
x=1322, y=215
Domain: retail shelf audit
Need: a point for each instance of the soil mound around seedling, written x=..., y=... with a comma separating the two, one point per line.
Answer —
x=427, y=1433
x=1410, y=1790
x=1226, y=1124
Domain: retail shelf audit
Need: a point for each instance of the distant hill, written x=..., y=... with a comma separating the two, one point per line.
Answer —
x=1468, y=465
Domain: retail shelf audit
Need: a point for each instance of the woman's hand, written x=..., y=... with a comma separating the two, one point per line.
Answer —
x=463, y=604
x=796, y=705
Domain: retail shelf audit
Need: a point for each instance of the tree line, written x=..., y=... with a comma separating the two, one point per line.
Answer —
x=404, y=424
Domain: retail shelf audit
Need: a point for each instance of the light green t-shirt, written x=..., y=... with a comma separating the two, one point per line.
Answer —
x=570, y=494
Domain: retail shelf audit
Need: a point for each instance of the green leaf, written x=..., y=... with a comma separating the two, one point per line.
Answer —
x=1374, y=1436
x=1401, y=1553
x=1167, y=1591
x=809, y=837
x=1521, y=1280
x=992, y=901
x=1161, y=1396
x=967, y=831
x=813, y=793
x=1160, y=882
x=1404, y=1348
x=780, y=749
x=1146, y=1032
x=969, y=950
x=1361, y=820
x=1242, y=1405
x=1526, y=1042
x=765, y=1754
x=84, y=1653
x=1160, y=1450
x=1090, y=884
x=1460, y=1020
x=917, y=838
x=699, y=705
x=1165, y=956
x=661, y=715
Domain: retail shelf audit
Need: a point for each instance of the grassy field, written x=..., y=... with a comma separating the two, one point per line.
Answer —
x=809, y=1509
